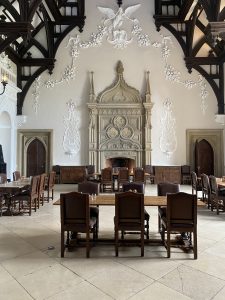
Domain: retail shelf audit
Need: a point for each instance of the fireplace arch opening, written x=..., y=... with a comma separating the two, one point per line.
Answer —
x=120, y=162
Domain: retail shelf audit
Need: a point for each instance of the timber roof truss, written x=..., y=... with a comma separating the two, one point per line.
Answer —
x=199, y=27
x=31, y=32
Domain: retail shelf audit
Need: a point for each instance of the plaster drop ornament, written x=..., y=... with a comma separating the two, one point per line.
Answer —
x=112, y=28
x=168, y=139
x=71, y=138
x=36, y=94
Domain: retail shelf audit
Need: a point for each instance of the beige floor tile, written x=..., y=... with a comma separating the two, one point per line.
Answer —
x=48, y=281
x=82, y=291
x=13, y=247
x=4, y=275
x=158, y=291
x=12, y=290
x=153, y=267
x=27, y=264
x=120, y=282
x=220, y=295
x=209, y=264
x=193, y=283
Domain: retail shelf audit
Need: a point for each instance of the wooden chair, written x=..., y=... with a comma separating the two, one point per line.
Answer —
x=49, y=186
x=181, y=217
x=123, y=177
x=91, y=188
x=3, y=196
x=2, y=203
x=195, y=184
x=129, y=216
x=149, y=169
x=75, y=217
x=3, y=178
x=90, y=172
x=139, y=175
x=16, y=175
x=164, y=188
x=138, y=187
x=206, y=191
x=56, y=169
x=28, y=199
x=106, y=180
x=41, y=189
x=185, y=174
x=217, y=196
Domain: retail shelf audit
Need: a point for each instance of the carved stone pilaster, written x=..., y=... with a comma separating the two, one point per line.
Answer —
x=148, y=104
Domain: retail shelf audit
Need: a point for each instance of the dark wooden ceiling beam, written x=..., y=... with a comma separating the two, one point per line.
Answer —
x=15, y=27
x=33, y=62
x=8, y=6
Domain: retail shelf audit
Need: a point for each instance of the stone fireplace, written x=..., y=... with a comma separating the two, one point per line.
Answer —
x=120, y=124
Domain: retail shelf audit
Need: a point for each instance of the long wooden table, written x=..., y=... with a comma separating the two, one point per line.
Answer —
x=11, y=188
x=105, y=200
x=109, y=200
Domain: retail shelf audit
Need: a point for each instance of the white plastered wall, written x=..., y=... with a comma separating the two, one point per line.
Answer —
x=186, y=104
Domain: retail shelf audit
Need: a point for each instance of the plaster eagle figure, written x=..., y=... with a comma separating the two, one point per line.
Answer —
x=117, y=18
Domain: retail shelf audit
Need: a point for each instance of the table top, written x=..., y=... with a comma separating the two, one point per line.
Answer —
x=117, y=173
x=14, y=185
x=220, y=182
x=148, y=200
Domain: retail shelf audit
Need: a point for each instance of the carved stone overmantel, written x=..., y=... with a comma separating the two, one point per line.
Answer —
x=120, y=122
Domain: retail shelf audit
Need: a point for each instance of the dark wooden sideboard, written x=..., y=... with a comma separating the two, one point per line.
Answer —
x=167, y=173
x=72, y=174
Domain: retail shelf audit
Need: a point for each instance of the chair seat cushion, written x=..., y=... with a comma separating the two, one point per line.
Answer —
x=162, y=211
x=94, y=211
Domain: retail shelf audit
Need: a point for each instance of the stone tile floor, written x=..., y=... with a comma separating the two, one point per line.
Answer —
x=29, y=270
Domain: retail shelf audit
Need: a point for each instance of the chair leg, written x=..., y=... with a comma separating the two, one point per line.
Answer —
x=88, y=244
x=116, y=241
x=168, y=244
x=195, y=245
x=142, y=241
x=62, y=243
x=147, y=230
x=159, y=224
x=30, y=207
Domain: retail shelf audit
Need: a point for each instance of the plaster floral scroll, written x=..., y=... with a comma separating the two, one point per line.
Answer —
x=71, y=138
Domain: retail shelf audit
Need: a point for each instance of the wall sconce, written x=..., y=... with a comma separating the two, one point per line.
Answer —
x=4, y=83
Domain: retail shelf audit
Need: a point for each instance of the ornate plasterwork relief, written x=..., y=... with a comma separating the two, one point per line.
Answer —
x=71, y=138
x=114, y=29
x=168, y=139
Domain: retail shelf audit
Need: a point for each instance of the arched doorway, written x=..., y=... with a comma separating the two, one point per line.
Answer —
x=36, y=158
x=204, y=158
x=215, y=138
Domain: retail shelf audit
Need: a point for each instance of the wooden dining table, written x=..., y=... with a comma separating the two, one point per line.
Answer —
x=109, y=200
x=220, y=182
x=11, y=188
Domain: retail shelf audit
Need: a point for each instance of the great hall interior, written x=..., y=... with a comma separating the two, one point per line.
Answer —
x=105, y=104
